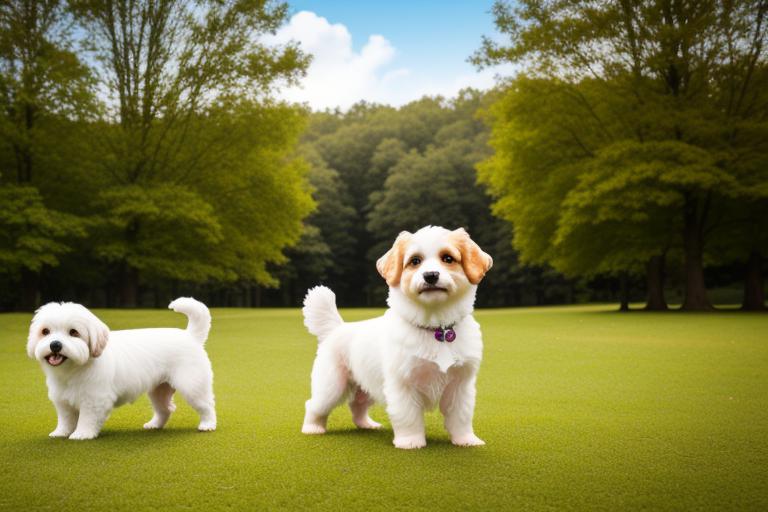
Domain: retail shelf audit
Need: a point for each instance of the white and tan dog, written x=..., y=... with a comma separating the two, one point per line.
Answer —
x=90, y=370
x=426, y=349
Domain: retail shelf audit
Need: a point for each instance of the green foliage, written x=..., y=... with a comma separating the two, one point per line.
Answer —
x=32, y=235
x=435, y=187
x=538, y=153
x=198, y=147
x=184, y=163
x=332, y=221
x=169, y=231
x=42, y=83
x=400, y=170
x=633, y=128
x=39, y=71
x=258, y=189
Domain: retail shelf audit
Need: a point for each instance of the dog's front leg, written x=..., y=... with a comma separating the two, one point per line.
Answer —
x=92, y=417
x=458, y=406
x=407, y=416
x=67, y=419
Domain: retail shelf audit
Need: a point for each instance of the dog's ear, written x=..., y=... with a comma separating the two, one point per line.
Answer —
x=390, y=266
x=98, y=335
x=474, y=261
x=35, y=333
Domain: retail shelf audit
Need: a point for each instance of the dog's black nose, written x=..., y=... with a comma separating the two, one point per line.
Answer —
x=56, y=346
x=431, y=277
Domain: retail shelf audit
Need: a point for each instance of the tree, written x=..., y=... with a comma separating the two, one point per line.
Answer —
x=743, y=238
x=326, y=243
x=688, y=82
x=359, y=145
x=32, y=235
x=39, y=76
x=401, y=169
x=41, y=83
x=177, y=74
x=438, y=186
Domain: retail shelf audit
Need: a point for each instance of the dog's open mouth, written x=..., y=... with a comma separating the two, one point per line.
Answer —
x=55, y=359
x=433, y=288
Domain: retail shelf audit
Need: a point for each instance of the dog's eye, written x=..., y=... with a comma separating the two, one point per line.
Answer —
x=447, y=258
x=74, y=333
x=46, y=331
x=415, y=261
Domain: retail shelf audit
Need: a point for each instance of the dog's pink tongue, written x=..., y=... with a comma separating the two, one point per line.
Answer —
x=55, y=360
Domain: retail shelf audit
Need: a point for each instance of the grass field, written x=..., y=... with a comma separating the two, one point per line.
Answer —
x=581, y=408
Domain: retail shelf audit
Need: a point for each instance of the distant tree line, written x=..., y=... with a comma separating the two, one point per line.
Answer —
x=378, y=170
x=143, y=156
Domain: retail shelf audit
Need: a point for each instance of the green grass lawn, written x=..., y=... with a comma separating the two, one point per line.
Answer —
x=580, y=407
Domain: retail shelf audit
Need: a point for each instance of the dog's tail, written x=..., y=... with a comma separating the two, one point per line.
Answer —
x=198, y=314
x=320, y=314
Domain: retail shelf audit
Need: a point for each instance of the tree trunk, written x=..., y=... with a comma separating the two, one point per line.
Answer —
x=248, y=296
x=30, y=290
x=754, y=291
x=129, y=286
x=256, y=296
x=285, y=293
x=655, y=284
x=624, y=291
x=693, y=244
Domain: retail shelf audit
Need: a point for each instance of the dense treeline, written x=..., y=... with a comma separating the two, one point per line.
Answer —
x=143, y=156
x=377, y=171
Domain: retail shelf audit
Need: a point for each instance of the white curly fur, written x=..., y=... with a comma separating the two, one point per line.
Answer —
x=96, y=369
x=394, y=359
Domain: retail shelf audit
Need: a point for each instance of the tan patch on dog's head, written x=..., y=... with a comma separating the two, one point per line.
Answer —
x=474, y=261
x=390, y=266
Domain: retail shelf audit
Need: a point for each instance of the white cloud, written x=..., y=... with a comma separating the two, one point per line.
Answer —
x=451, y=85
x=339, y=76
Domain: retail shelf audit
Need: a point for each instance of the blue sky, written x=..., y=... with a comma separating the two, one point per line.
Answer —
x=389, y=51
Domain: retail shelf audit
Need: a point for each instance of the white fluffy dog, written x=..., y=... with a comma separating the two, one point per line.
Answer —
x=90, y=370
x=426, y=349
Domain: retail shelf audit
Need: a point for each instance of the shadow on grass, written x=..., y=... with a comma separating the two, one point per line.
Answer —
x=384, y=437
x=358, y=433
x=108, y=437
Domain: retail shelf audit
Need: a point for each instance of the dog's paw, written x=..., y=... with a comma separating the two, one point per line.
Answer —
x=59, y=433
x=467, y=440
x=152, y=425
x=206, y=426
x=410, y=442
x=81, y=435
x=312, y=429
x=367, y=423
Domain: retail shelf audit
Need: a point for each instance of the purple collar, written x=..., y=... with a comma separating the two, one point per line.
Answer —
x=443, y=333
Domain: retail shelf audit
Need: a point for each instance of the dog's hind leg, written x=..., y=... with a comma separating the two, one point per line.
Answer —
x=329, y=386
x=162, y=403
x=196, y=386
x=359, y=405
